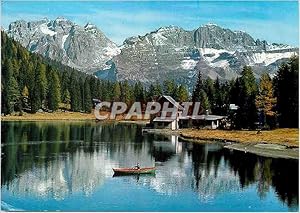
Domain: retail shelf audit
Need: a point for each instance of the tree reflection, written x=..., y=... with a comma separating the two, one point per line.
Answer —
x=282, y=174
x=83, y=153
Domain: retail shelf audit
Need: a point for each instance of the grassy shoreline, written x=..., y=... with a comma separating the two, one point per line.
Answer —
x=278, y=143
x=45, y=116
x=66, y=116
x=286, y=137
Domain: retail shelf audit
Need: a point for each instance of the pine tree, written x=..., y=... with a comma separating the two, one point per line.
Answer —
x=210, y=90
x=23, y=75
x=87, y=97
x=75, y=93
x=247, y=112
x=66, y=97
x=11, y=93
x=35, y=99
x=34, y=92
x=126, y=93
x=105, y=92
x=150, y=92
x=41, y=81
x=54, y=92
x=219, y=106
x=93, y=84
x=16, y=68
x=28, y=76
x=286, y=89
x=99, y=89
x=157, y=90
x=198, y=88
x=65, y=82
x=116, y=91
x=81, y=94
x=139, y=94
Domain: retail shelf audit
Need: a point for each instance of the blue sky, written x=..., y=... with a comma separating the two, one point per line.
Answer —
x=273, y=21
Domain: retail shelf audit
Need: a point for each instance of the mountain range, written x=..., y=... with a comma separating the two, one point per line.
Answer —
x=167, y=53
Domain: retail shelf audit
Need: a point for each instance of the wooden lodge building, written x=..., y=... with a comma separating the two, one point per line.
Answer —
x=168, y=121
x=177, y=120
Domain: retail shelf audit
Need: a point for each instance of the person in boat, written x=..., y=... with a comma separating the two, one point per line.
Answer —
x=137, y=166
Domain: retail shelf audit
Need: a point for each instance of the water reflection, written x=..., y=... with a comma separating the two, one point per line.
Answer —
x=58, y=159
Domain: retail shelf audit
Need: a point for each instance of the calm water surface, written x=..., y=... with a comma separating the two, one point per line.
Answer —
x=67, y=166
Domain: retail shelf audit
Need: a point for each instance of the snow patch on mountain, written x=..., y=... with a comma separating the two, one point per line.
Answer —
x=210, y=54
x=89, y=26
x=44, y=29
x=112, y=51
x=107, y=67
x=159, y=38
x=188, y=64
x=268, y=58
x=275, y=46
x=63, y=40
x=221, y=63
x=210, y=25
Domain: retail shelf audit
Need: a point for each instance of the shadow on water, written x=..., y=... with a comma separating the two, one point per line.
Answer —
x=79, y=156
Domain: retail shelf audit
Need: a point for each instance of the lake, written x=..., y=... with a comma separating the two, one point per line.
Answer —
x=67, y=166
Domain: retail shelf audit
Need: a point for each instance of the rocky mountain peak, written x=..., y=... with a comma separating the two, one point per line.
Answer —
x=172, y=52
x=60, y=18
x=211, y=25
x=89, y=25
x=83, y=47
x=170, y=28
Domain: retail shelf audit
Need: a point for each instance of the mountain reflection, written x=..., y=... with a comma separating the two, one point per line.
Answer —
x=56, y=159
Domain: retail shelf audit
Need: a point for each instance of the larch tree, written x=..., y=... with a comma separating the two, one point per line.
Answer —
x=182, y=94
x=265, y=100
x=204, y=102
x=169, y=87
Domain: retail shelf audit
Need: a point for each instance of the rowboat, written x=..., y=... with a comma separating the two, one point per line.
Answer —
x=132, y=171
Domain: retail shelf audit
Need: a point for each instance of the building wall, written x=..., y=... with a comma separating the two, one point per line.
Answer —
x=205, y=124
x=165, y=125
x=174, y=125
x=162, y=125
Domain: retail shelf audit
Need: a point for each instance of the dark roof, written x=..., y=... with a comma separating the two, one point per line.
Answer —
x=172, y=101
